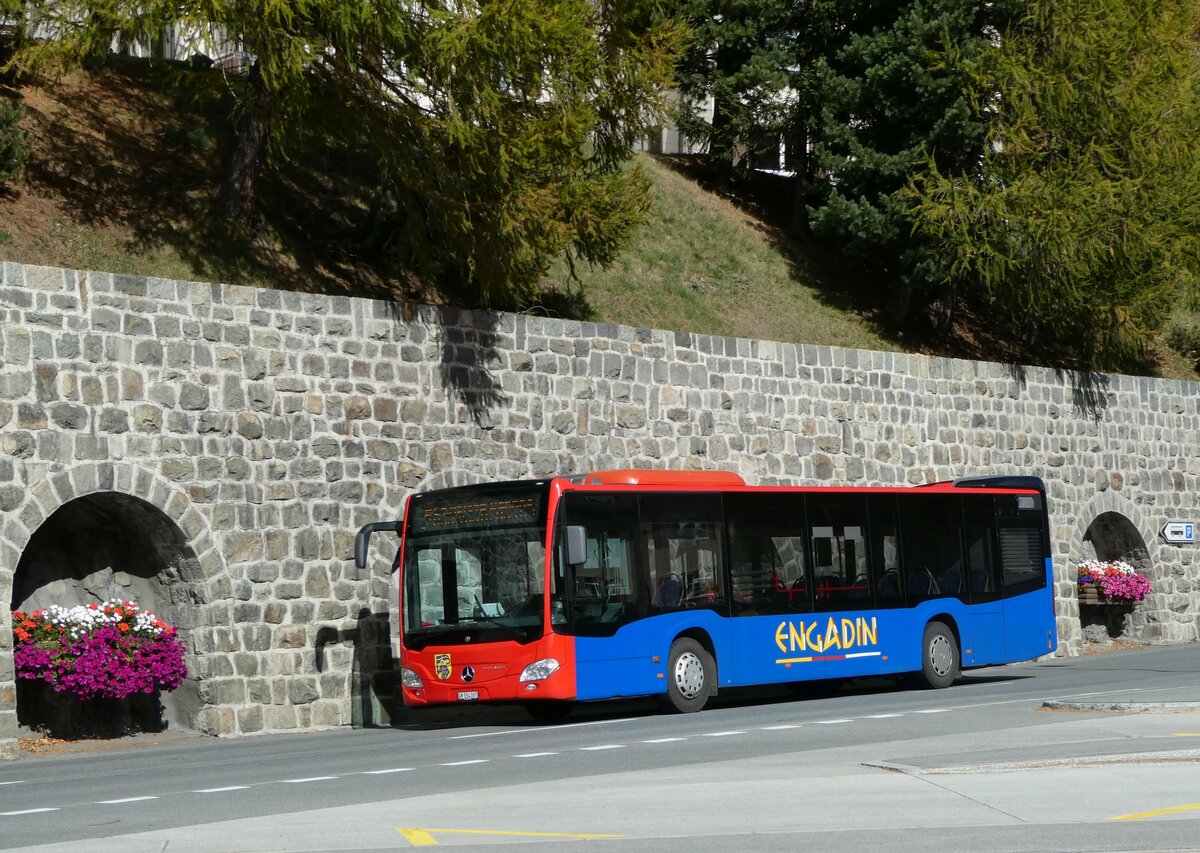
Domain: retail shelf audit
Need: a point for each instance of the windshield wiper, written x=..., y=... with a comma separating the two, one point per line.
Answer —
x=480, y=615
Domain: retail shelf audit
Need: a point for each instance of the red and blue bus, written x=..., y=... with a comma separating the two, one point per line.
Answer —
x=676, y=584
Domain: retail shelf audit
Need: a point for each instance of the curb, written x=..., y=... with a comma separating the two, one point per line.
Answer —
x=1128, y=707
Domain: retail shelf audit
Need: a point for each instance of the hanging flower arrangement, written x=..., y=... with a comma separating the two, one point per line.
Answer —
x=1115, y=579
x=99, y=651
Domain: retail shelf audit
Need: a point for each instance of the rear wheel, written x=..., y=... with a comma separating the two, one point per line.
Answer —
x=690, y=674
x=939, y=656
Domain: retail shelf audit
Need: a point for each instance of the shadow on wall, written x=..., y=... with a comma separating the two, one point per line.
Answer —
x=373, y=682
x=467, y=341
x=111, y=545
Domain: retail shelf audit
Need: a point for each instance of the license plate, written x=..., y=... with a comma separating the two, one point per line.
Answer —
x=468, y=695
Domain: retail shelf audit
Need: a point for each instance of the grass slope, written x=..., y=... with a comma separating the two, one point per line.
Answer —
x=125, y=165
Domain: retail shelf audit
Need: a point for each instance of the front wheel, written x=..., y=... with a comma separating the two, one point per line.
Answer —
x=690, y=674
x=939, y=656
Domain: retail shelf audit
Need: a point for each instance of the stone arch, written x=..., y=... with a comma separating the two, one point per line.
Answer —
x=1116, y=528
x=115, y=530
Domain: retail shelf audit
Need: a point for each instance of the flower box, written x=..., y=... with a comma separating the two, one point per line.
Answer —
x=101, y=659
x=1111, y=582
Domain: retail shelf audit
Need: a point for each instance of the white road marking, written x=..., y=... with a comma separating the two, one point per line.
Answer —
x=27, y=811
x=464, y=763
x=541, y=730
x=219, y=790
x=932, y=711
x=309, y=779
x=664, y=740
x=390, y=770
x=881, y=716
x=604, y=746
x=832, y=722
x=722, y=734
x=124, y=800
x=781, y=728
x=14, y=782
x=534, y=754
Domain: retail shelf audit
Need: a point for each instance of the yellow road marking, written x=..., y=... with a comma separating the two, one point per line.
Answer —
x=418, y=837
x=1172, y=810
x=424, y=837
x=1186, y=734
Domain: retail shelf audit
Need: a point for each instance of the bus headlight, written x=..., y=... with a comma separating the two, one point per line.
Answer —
x=539, y=670
x=410, y=679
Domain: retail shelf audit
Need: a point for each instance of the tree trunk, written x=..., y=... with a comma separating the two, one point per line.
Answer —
x=236, y=196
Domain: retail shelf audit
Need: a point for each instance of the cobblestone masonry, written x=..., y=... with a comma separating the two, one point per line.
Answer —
x=268, y=426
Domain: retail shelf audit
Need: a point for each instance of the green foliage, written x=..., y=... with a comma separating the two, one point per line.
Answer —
x=888, y=89
x=1183, y=336
x=738, y=55
x=1082, y=220
x=495, y=130
x=14, y=143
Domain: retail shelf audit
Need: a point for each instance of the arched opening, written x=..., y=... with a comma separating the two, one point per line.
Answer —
x=104, y=546
x=1112, y=536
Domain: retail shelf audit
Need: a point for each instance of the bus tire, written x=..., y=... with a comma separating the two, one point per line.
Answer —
x=690, y=674
x=940, y=661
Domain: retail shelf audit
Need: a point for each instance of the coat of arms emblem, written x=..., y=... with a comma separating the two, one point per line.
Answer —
x=441, y=666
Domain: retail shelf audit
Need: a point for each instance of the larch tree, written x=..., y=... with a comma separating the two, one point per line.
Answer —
x=498, y=131
x=1083, y=220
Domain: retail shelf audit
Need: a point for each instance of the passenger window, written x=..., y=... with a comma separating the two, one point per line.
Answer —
x=932, y=555
x=681, y=535
x=979, y=520
x=603, y=593
x=837, y=528
x=886, y=580
x=767, y=555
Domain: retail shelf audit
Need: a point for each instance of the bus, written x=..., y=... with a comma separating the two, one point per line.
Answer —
x=676, y=584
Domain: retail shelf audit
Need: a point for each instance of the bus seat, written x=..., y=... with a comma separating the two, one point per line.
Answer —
x=889, y=584
x=950, y=582
x=979, y=581
x=921, y=582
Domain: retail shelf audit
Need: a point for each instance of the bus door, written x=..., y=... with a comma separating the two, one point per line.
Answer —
x=773, y=628
x=1029, y=623
x=984, y=634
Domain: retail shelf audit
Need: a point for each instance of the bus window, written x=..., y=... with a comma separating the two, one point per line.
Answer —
x=604, y=592
x=932, y=546
x=1022, y=559
x=978, y=521
x=767, y=554
x=680, y=535
x=886, y=579
x=837, y=526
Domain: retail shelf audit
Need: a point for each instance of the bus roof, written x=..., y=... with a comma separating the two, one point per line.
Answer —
x=728, y=480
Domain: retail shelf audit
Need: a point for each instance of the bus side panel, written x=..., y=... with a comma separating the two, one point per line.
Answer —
x=624, y=664
x=982, y=634
x=1029, y=624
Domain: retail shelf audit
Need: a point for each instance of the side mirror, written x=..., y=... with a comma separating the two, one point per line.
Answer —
x=576, y=544
x=362, y=540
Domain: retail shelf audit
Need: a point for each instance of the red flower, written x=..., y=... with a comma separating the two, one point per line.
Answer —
x=123, y=628
x=21, y=634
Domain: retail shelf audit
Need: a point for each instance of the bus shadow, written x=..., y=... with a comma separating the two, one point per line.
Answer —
x=450, y=717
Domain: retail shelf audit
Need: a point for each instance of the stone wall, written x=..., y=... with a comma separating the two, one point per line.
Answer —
x=229, y=441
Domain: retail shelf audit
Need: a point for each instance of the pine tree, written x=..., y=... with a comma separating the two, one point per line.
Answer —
x=885, y=87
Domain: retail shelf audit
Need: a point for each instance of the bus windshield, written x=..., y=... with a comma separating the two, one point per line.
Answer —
x=473, y=565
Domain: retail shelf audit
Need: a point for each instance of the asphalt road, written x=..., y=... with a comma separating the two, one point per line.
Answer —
x=983, y=765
